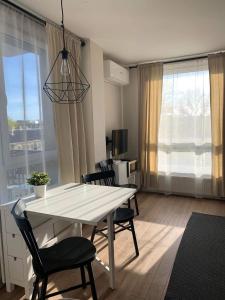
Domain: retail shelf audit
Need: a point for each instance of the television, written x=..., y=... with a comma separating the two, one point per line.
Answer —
x=119, y=141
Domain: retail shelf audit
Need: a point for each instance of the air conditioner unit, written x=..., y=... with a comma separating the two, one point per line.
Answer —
x=114, y=73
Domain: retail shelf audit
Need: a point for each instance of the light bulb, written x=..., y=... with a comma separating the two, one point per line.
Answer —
x=65, y=69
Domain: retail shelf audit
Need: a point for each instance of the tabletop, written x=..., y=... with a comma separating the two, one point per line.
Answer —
x=82, y=203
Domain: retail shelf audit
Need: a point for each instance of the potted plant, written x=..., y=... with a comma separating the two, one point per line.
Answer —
x=39, y=182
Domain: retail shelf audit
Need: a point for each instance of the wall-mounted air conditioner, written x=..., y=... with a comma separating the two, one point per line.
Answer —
x=114, y=73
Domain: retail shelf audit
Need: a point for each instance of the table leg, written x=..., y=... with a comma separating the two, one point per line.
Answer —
x=111, y=250
x=9, y=287
x=77, y=229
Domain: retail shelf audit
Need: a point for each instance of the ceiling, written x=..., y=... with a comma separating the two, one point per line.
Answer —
x=133, y=31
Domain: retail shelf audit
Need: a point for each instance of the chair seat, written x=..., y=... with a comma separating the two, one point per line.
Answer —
x=122, y=214
x=129, y=185
x=68, y=254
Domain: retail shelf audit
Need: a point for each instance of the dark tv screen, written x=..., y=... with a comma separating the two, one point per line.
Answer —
x=119, y=141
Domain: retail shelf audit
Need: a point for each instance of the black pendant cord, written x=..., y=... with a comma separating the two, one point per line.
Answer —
x=63, y=28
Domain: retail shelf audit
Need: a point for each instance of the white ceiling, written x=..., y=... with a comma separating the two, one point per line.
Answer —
x=140, y=30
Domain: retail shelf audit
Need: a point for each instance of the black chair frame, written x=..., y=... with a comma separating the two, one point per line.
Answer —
x=121, y=227
x=20, y=216
x=107, y=165
x=104, y=178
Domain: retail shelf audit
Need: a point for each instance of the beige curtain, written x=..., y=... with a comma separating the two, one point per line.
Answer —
x=150, y=97
x=217, y=85
x=69, y=123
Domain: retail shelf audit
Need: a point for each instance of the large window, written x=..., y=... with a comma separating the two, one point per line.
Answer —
x=27, y=141
x=185, y=125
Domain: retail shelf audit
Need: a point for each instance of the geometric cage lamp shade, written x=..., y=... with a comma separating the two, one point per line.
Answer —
x=66, y=90
x=70, y=85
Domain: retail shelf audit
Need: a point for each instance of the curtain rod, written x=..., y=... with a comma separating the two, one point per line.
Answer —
x=21, y=9
x=38, y=18
x=179, y=59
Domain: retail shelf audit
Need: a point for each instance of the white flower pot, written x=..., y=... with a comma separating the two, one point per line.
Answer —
x=39, y=191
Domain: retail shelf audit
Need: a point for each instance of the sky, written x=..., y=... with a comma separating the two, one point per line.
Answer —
x=19, y=71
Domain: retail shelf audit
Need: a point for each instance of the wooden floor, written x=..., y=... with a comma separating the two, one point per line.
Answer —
x=159, y=229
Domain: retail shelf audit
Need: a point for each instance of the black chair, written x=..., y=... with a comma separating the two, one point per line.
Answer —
x=107, y=165
x=122, y=217
x=71, y=253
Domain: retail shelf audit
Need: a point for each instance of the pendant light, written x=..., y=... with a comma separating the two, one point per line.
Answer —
x=71, y=85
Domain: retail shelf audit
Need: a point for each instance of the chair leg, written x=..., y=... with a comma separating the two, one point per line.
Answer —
x=134, y=237
x=43, y=288
x=92, y=282
x=35, y=289
x=93, y=234
x=83, y=278
x=136, y=205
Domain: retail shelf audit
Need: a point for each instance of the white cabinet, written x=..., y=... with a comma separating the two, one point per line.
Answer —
x=15, y=245
x=16, y=270
x=17, y=261
x=10, y=225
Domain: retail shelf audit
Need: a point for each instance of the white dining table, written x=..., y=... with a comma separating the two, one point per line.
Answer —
x=85, y=204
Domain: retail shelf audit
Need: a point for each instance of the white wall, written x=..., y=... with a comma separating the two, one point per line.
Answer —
x=87, y=109
x=113, y=108
x=106, y=107
x=130, y=113
x=98, y=102
x=93, y=105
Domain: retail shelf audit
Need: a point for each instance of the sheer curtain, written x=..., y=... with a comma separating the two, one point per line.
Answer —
x=27, y=141
x=184, y=142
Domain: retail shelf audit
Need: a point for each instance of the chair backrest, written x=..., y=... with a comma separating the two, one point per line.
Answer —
x=19, y=214
x=106, y=165
x=102, y=178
